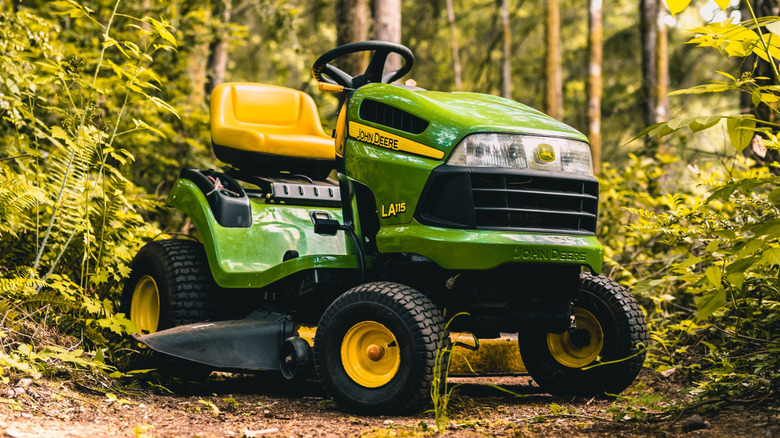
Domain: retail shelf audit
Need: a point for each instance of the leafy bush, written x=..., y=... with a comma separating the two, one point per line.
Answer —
x=702, y=247
x=706, y=268
x=70, y=218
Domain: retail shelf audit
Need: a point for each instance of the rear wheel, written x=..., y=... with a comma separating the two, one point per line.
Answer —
x=610, y=327
x=170, y=284
x=375, y=348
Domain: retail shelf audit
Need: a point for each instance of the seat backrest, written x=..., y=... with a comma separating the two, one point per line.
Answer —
x=269, y=108
x=266, y=109
x=265, y=129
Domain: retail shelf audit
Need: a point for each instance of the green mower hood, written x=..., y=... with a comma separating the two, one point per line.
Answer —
x=452, y=116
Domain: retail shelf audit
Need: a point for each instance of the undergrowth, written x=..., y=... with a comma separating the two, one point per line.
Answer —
x=69, y=218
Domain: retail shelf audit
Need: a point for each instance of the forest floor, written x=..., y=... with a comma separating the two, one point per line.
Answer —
x=267, y=406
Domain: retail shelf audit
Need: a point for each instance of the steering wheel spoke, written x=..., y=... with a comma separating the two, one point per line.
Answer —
x=376, y=66
x=335, y=75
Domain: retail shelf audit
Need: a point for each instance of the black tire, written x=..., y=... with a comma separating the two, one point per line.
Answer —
x=180, y=271
x=624, y=340
x=415, y=323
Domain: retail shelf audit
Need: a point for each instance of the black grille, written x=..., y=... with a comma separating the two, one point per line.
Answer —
x=521, y=202
x=384, y=114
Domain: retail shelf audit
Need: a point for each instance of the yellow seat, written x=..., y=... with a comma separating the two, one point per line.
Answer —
x=266, y=128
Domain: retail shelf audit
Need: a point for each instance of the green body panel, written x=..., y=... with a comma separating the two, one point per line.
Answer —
x=486, y=249
x=398, y=178
x=394, y=178
x=252, y=257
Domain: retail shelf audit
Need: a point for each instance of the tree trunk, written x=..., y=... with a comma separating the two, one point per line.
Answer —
x=387, y=27
x=553, y=75
x=648, y=10
x=662, y=64
x=506, y=71
x=197, y=68
x=352, y=26
x=145, y=6
x=219, y=47
x=454, y=46
x=595, y=48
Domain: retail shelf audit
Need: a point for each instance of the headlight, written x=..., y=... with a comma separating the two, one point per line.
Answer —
x=523, y=152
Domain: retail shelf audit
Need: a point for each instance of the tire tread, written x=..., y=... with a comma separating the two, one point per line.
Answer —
x=417, y=312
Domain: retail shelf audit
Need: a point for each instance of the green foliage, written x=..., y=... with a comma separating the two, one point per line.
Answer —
x=701, y=254
x=702, y=241
x=638, y=404
x=70, y=217
x=728, y=279
x=441, y=392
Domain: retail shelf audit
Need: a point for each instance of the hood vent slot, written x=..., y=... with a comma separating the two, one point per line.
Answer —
x=384, y=114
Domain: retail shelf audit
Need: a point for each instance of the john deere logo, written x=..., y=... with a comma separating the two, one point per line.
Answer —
x=545, y=153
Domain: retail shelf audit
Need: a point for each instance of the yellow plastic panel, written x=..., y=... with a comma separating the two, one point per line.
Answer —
x=273, y=107
x=268, y=119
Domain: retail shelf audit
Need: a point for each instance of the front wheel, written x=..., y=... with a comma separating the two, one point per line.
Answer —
x=375, y=348
x=605, y=352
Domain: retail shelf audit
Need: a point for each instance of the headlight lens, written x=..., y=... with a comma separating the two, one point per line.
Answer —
x=523, y=152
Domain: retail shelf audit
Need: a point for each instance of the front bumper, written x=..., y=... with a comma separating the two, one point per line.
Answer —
x=459, y=249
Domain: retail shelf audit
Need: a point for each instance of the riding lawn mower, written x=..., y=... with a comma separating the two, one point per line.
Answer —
x=343, y=257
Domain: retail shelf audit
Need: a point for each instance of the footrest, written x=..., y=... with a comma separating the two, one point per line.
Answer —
x=309, y=194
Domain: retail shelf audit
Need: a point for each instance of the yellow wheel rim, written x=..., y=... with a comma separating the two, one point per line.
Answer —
x=145, y=305
x=578, y=349
x=370, y=354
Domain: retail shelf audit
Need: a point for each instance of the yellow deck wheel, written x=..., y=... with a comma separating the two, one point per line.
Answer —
x=581, y=347
x=145, y=305
x=370, y=354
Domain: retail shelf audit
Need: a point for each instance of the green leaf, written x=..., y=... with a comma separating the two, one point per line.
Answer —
x=769, y=98
x=726, y=75
x=167, y=36
x=741, y=131
x=774, y=196
x=708, y=303
x=741, y=264
x=770, y=256
x=736, y=279
x=690, y=262
x=702, y=123
x=714, y=275
x=715, y=87
x=60, y=133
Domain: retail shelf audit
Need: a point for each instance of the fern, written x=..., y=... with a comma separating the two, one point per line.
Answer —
x=69, y=217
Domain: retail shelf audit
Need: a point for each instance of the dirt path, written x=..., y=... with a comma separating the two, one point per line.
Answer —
x=266, y=406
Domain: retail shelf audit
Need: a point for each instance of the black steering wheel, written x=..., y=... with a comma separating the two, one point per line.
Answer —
x=325, y=72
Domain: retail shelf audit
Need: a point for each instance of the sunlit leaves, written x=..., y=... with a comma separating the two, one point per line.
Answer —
x=741, y=131
x=74, y=126
x=723, y=4
x=709, y=302
x=737, y=40
x=72, y=8
x=677, y=6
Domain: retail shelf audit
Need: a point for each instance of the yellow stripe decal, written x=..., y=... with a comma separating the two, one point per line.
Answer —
x=384, y=139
